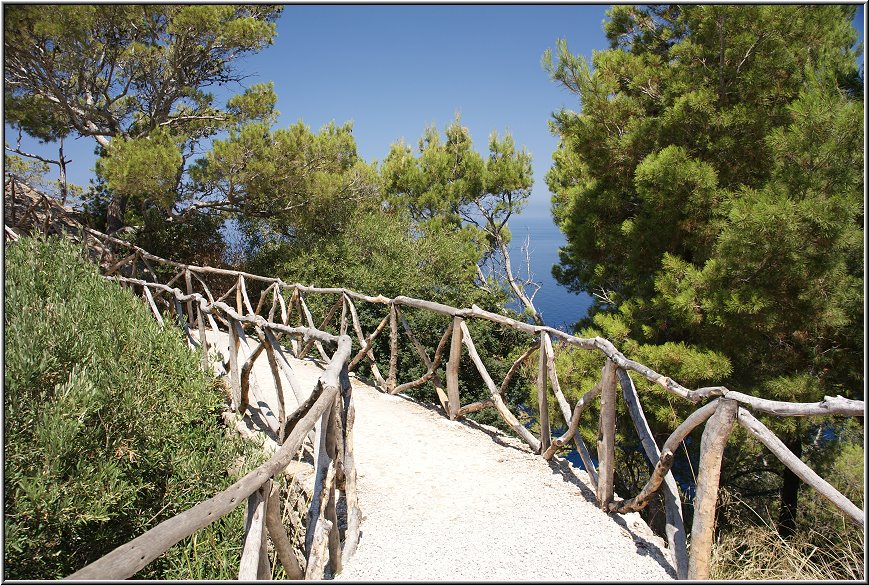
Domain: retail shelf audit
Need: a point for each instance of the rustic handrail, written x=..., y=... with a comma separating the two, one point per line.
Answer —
x=332, y=394
x=726, y=407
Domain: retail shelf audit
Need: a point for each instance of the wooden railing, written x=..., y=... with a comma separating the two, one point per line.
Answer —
x=327, y=410
x=725, y=408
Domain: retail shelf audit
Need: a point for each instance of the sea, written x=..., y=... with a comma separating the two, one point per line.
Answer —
x=559, y=307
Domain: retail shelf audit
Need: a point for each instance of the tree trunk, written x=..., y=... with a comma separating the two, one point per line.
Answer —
x=787, y=518
x=115, y=213
x=61, y=167
x=515, y=285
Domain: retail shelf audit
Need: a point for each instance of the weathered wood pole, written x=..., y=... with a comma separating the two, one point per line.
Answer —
x=310, y=319
x=431, y=367
x=274, y=306
x=331, y=514
x=153, y=305
x=393, y=348
x=234, y=371
x=342, y=328
x=244, y=383
x=675, y=527
x=279, y=387
x=254, y=532
x=322, y=469
x=203, y=343
x=606, y=436
x=712, y=445
x=572, y=430
x=357, y=328
x=244, y=296
x=188, y=281
x=317, y=556
x=497, y=399
x=542, y=400
x=285, y=365
x=326, y=320
x=453, y=368
x=322, y=527
x=800, y=469
x=367, y=344
x=279, y=537
x=183, y=322
x=354, y=514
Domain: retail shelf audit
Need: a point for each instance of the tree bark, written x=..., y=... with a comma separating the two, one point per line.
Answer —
x=542, y=402
x=115, y=213
x=712, y=444
x=606, y=436
x=453, y=368
x=787, y=518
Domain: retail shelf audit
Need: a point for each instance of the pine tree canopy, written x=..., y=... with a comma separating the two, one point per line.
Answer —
x=711, y=188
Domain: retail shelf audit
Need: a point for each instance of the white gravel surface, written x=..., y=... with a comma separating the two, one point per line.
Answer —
x=458, y=501
x=449, y=500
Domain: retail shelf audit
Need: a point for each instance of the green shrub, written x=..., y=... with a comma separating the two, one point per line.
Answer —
x=110, y=425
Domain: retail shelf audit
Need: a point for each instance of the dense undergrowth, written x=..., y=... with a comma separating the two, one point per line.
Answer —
x=110, y=425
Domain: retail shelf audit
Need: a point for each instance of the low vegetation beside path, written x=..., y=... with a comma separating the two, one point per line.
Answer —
x=110, y=425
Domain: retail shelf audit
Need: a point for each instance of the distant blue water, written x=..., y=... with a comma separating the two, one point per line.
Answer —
x=560, y=308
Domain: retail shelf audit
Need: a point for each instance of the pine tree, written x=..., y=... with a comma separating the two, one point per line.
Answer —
x=711, y=193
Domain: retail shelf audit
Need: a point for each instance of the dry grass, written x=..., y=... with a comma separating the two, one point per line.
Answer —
x=760, y=553
x=756, y=551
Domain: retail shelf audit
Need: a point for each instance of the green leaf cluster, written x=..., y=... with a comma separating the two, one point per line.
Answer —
x=142, y=168
x=110, y=425
x=711, y=192
x=136, y=78
x=289, y=181
x=711, y=187
x=447, y=182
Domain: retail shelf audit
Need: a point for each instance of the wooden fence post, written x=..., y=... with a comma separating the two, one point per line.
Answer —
x=234, y=373
x=675, y=527
x=278, y=534
x=152, y=304
x=354, y=514
x=203, y=343
x=393, y=349
x=342, y=328
x=542, y=402
x=712, y=445
x=606, y=437
x=497, y=399
x=250, y=567
x=189, y=282
x=453, y=368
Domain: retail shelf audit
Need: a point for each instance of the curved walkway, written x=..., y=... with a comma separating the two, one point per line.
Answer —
x=451, y=500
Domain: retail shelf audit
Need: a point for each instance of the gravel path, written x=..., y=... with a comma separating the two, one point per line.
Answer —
x=450, y=500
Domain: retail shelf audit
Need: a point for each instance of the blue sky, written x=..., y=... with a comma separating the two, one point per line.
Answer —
x=393, y=70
